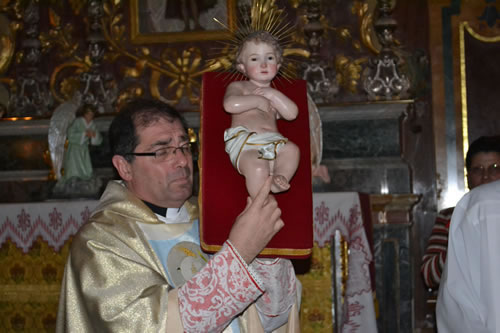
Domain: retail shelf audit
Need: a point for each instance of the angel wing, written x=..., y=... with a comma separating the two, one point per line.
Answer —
x=319, y=171
x=316, y=132
x=61, y=118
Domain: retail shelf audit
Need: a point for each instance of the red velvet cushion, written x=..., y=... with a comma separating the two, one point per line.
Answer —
x=223, y=193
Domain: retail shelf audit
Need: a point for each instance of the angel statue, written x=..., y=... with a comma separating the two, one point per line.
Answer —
x=73, y=166
x=61, y=118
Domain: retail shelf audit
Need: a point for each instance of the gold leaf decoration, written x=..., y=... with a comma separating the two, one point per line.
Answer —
x=349, y=72
x=77, y=5
x=365, y=16
x=186, y=251
x=130, y=92
x=179, y=70
x=107, y=9
x=117, y=19
x=7, y=44
x=69, y=86
x=295, y=3
x=136, y=71
x=64, y=79
x=54, y=19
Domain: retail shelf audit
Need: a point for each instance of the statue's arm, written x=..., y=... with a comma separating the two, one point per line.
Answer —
x=236, y=101
x=286, y=108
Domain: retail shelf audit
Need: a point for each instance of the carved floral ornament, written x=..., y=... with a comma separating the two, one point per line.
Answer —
x=170, y=71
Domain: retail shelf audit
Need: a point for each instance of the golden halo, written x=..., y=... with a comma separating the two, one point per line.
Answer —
x=264, y=16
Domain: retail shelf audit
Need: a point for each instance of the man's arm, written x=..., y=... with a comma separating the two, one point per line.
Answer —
x=218, y=293
x=226, y=285
x=109, y=286
x=435, y=253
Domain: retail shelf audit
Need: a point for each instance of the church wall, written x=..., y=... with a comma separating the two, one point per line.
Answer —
x=411, y=147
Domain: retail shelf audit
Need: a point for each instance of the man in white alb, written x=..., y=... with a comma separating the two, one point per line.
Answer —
x=469, y=295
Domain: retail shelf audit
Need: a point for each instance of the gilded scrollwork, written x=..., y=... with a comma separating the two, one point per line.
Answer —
x=349, y=71
x=182, y=68
x=10, y=24
x=131, y=91
x=173, y=76
x=178, y=70
x=7, y=42
x=77, y=5
x=168, y=73
x=64, y=80
x=60, y=37
x=364, y=11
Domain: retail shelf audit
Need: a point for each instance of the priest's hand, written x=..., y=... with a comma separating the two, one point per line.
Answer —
x=257, y=224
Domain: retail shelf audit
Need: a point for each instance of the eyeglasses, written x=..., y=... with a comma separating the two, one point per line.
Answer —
x=167, y=153
x=492, y=170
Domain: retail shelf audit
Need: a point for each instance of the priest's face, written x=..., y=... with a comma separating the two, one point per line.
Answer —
x=484, y=168
x=166, y=179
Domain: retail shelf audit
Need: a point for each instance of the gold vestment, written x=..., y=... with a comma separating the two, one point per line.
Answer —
x=114, y=281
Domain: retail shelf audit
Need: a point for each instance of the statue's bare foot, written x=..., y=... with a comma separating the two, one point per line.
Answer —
x=280, y=184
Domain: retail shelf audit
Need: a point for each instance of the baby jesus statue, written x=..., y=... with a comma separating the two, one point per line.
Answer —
x=255, y=147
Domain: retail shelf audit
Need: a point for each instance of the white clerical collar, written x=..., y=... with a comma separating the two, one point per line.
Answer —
x=175, y=215
x=169, y=215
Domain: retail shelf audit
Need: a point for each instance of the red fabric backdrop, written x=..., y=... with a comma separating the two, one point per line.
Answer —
x=222, y=189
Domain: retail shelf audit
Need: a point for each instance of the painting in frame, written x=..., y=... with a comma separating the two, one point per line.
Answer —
x=154, y=21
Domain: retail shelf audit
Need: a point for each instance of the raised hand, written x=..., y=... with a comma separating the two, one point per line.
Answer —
x=257, y=224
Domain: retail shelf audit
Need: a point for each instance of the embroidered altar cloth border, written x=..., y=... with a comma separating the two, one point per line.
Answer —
x=342, y=211
x=54, y=221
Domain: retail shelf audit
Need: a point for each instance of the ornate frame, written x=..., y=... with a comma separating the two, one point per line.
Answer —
x=137, y=37
x=466, y=27
x=450, y=113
